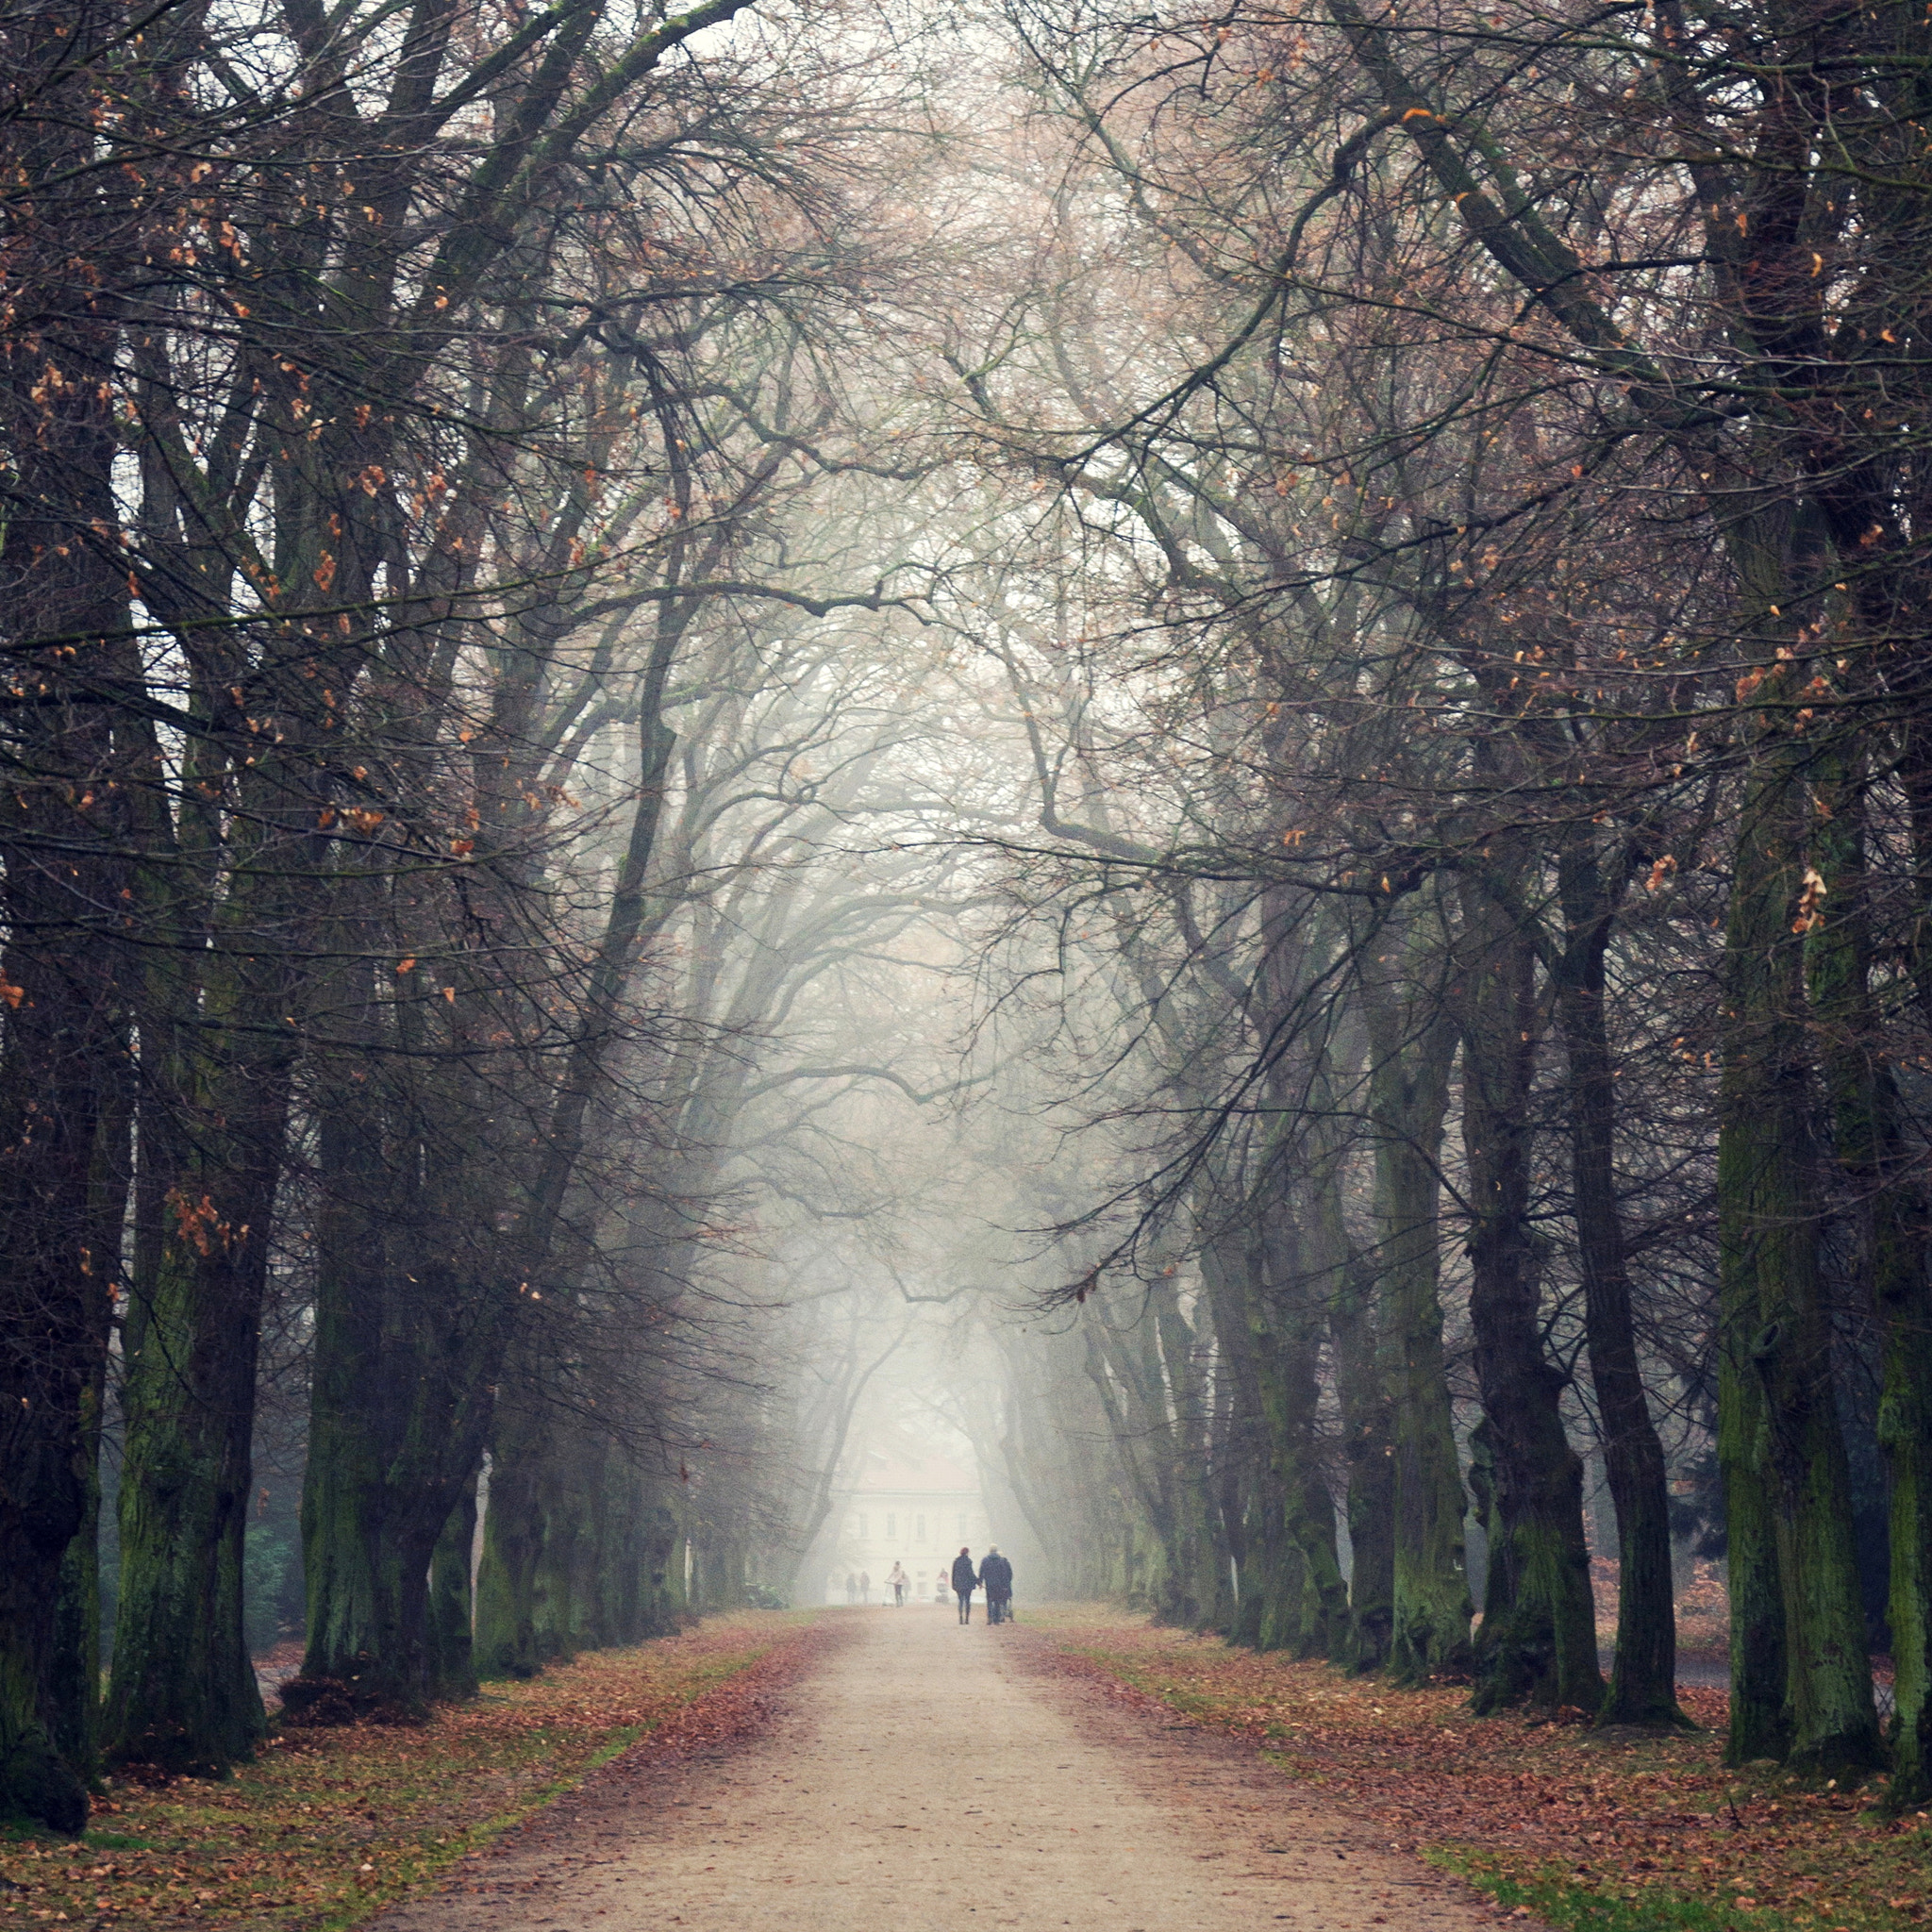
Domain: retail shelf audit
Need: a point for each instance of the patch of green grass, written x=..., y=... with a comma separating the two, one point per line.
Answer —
x=114, y=1842
x=1561, y=1901
x=18, y=1832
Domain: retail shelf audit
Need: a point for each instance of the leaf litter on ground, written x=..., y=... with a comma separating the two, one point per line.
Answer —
x=330, y=1824
x=1602, y=1831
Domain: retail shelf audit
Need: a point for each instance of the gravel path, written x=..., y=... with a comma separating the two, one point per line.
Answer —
x=928, y=1775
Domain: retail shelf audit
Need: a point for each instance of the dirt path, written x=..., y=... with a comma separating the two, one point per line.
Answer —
x=930, y=1775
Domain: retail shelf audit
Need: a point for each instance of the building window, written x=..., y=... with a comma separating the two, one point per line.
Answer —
x=892, y=1527
x=922, y=1529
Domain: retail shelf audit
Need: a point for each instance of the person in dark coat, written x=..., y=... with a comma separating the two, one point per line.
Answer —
x=964, y=1580
x=996, y=1574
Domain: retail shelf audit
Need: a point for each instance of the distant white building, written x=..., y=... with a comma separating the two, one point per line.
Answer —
x=907, y=1506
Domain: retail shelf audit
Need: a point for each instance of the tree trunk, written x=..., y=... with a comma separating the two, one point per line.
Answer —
x=1537, y=1643
x=63, y=829
x=1251, y=1520
x=1289, y=1289
x=662, y=1605
x=1408, y=1099
x=1787, y=1485
x=409, y=1335
x=1368, y=1443
x=1147, y=1539
x=507, y=1642
x=183, y=1694
x=220, y=1034
x=1201, y=1558
x=56, y=1308
x=390, y=1437
x=1891, y=1205
x=1644, y=1677
x=452, y=1659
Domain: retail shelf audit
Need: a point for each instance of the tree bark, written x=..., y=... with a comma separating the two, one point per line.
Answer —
x=1290, y=1286
x=506, y=1640
x=63, y=829
x=1787, y=1485
x=1368, y=1443
x=1409, y=1100
x=1200, y=1557
x=452, y=1654
x=1250, y=1516
x=183, y=1694
x=1537, y=1642
x=411, y=1321
x=1890, y=1208
x=1643, y=1676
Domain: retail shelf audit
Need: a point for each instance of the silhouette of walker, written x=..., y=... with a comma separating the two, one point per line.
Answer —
x=963, y=1581
x=996, y=1574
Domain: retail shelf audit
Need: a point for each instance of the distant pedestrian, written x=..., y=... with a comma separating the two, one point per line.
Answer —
x=897, y=1579
x=996, y=1574
x=964, y=1580
x=865, y=1587
x=851, y=1587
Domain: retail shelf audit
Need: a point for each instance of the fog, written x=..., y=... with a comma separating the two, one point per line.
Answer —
x=1162, y=776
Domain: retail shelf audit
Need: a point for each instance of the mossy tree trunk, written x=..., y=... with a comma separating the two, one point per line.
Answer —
x=62, y=1187
x=1368, y=1447
x=76, y=1680
x=397, y=1418
x=65, y=819
x=542, y=1588
x=1783, y=1454
x=1537, y=1642
x=1149, y=1535
x=1289, y=1274
x=1362, y=1395
x=215, y=1121
x=451, y=1656
x=56, y=1314
x=1904, y=1413
x=621, y=1556
x=411, y=1323
x=565, y=1595
x=1290, y=1286
x=183, y=1693
x=1250, y=1512
x=507, y=1578
x=1878, y=1163
x=1643, y=1675
x=1412, y=1047
x=1200, y=1557
x=662, y=1605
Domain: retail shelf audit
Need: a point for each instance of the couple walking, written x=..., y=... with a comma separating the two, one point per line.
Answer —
x=995, y=1576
